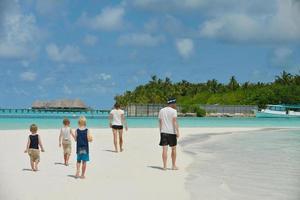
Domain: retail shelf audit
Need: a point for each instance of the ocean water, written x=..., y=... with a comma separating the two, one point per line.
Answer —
x=47, y=122
x=261, y=165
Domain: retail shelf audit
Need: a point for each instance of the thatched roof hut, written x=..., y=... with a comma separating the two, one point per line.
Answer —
x=60, y=104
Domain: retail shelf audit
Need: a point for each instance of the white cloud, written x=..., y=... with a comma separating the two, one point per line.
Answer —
x=258, y=21
x=104, y=76
x=18, y=32
x=96, y=78
x=185, y=47
x=28, y=76
x=140, y=39
x=231, y=27
x=90, y=40
x=110, y=19
x=68, y=53
x=280, y=25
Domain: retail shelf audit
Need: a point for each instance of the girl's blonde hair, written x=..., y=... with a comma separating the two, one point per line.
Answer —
x=82, y=121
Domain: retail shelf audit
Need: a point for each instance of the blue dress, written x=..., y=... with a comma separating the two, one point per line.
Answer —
x=82, y=147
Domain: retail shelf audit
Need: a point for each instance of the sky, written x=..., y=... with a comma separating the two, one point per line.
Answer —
x=94, y=50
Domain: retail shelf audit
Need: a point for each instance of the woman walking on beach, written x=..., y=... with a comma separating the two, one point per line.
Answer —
x=117, y=122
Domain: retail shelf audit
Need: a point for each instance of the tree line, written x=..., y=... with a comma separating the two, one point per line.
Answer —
x=285, y=89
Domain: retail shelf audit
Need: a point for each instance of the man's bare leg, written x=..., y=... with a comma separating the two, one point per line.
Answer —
x=173, y=155
x=165, y=157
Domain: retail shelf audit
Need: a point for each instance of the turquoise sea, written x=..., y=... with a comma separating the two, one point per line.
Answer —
x=8, y=123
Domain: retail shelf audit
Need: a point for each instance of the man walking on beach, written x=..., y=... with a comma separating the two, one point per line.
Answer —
x=169, y=132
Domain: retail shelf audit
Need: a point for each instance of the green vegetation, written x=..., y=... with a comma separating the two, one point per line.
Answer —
x=193, y=109
x=285, y=89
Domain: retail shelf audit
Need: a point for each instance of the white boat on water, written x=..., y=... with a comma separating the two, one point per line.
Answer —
x=279, y=111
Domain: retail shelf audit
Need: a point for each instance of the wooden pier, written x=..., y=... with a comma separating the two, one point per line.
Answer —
x=21, y=112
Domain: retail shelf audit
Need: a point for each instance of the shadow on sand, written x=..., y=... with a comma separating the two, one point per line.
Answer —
x=27, y=169
x=108, y=150
x=72, y=176
x=156, y=167
x=59, y=163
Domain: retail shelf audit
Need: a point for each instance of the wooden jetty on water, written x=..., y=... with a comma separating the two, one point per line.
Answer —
x=52, y=113
x=55, y=109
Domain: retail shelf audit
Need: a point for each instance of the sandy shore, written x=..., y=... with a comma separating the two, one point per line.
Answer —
x=133, y=174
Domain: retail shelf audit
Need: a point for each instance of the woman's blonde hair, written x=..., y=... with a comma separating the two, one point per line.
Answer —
x=33, y=128
x=82, y=121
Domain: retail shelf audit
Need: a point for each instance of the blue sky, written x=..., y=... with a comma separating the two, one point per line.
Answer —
x=93, y=50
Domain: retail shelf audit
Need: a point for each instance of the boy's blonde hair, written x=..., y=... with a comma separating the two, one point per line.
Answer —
x=82, y=121
x=66, y=121
x=33, y=128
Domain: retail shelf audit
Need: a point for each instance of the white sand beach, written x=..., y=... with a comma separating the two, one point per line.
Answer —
x=133, y=174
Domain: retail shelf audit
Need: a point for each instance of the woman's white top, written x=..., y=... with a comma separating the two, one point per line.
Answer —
x=117, y=116
x=66, y=133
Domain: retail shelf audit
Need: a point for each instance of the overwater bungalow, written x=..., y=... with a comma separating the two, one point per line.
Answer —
x=61, y=105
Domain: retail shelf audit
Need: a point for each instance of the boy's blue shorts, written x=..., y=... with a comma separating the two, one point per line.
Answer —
x=83, y=157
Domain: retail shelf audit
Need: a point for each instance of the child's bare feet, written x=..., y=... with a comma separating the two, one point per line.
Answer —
x=121, y=150
x=82, y=177
x=175, y=168
x=77, y=175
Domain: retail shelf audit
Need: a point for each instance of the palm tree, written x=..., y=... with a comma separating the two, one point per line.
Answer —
x=212, y=85
x=285, y=78
x=153, y=79
x=233, y=84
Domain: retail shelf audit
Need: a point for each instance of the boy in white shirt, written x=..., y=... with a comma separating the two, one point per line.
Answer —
x=65, y=140
x=169, y=132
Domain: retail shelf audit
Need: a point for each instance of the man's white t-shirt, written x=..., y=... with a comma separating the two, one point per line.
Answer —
x=166, y=115
x=117, y=117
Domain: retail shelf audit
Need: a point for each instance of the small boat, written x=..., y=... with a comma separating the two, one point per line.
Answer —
x=279, y=111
